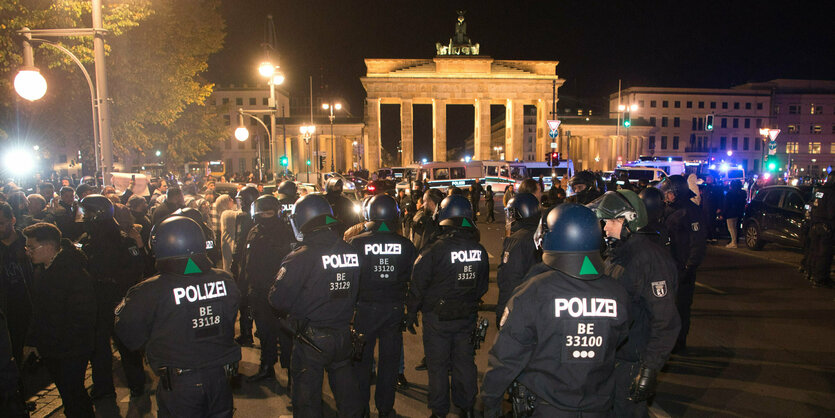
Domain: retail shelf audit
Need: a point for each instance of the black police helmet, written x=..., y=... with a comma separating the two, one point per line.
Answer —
x=265, y=203
x=334, y=185
x=190, y=213
x=382, y=208
x=572, y=240
x=178, y=237
x=247, y=195
x=654, y=201
x=288, y=188
x=311, y=212
x=584, y=177
x=455, y=210
x=677, y=185
x=522, y=206
x=97, y=207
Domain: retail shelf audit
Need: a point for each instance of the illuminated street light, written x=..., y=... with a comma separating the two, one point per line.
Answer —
x=266, y=69
x=730, y=153
x=331, y=107
x=158, y=153
x=18, y=162
x=30, y=84
x=241, y=133
x=307, y=131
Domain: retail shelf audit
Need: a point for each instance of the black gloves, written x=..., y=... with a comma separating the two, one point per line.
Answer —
x=643, y=387
x=410, y=321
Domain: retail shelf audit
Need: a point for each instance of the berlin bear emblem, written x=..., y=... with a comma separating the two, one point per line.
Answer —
x=659, y=289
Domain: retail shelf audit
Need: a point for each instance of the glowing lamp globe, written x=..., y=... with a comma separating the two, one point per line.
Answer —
x=266, y=69
x=30, y=84
x=241, y=134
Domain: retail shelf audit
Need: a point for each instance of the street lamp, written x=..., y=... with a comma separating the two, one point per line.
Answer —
x=498, y=150
x=307, y=131
x=242, y=134
x=357, y=151
x=331, y=107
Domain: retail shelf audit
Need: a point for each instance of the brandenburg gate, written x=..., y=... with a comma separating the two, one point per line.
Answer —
x=457, y=75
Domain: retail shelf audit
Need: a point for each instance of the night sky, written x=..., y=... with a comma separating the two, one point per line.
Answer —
x=644, y=43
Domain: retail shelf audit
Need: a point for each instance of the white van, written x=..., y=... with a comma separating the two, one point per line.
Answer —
x=536, y=170
x=649, y=174
x=670, y=167
x=442, y=175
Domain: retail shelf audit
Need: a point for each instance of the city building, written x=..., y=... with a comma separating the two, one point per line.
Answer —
x=677, y=120
x=804, y=111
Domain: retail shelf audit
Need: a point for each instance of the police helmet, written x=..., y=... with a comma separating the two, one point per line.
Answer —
x=677, y=185
x=455, y=210
x=653, y=201
x=621, y=204
x=265, y=203
x=96, y=208
x=246, y=196
x=288, y=188
x=311, y=212
x=334, y=185
x=178, y=236
x=381, y=207
x=522, y=206
x=584, y=177
x=571, y=241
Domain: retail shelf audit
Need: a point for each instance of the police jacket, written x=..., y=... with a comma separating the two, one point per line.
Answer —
x=688, y=237
x=243, y=224
x=267, y=245
x=823, y=207
x=317, y=282
x=386, y=259
x=519, y=253
x=15, y=279
x=558, y=338
x=182, y=321
x=656, y=231
x=113, y=258
x=424, y=230
x=454, y=269
x=285, y=208
x=343, y=209
x=63, y=306
x=648, y=273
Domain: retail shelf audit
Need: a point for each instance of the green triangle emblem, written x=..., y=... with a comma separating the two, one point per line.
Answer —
x=588, y=267
x=191, y=267
x=465, y=222
x=383, y=227
x=329, y=220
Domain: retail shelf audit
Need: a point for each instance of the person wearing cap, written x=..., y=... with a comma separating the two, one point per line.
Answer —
x=688, y=243
x=184, y=318
x=315, y=290
x=519, y=251
x=268, y=243
x=561, y=327
x=448, y=280
x=648, y=273
x=116, y=263
x=386, y=259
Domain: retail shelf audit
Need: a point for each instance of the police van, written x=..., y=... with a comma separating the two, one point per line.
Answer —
x=519, y=171
x=442, y=175
x=655, y=170
x=497, y=174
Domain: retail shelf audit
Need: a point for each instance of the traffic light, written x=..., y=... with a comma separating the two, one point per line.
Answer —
x=771, y=163
x=308, y=162
x=709, y=122
x=553, y=159
x=284, y=161
x=627, y=119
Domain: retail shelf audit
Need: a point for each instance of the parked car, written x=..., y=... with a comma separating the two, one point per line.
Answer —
x=776, y=214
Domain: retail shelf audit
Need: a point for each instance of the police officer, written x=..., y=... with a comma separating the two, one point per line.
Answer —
x=387, y=259
x=822, y=221
x=195, y=215
x=268, y=243
x=449, y=278
x=243, y=223
x=688, y=243
x=584, y=187
x=316, y=287
x=288, y=193
x=648, y=273
x=342, y=207
x=654, y=202
x=116, y=264
x=560, y=329
x=519, y=251
x=185, y=319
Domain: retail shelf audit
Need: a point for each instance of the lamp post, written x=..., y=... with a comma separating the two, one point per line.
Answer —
x=270, y=70
x=241, y=134
x=498, y=150
x=356, y=152
x=31, y=85
x=307, y=131
x=331, y=106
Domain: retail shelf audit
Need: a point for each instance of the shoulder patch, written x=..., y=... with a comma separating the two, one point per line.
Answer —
x=694, y=226
x=659, y=289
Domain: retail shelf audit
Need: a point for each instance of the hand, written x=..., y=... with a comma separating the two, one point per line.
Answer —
x=643, y=387
x=410, y=321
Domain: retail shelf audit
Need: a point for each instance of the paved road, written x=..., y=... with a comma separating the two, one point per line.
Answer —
x=761, y=344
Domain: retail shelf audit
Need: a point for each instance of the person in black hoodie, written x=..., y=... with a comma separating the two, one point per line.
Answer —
x=64, y=314
x=15, y=279
x=733, y=210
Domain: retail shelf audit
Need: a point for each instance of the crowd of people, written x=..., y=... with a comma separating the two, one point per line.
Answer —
x=587, y=315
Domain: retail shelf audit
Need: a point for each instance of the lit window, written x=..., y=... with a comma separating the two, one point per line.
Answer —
x=590, y=110
x=815, y=110
x=814, y=148
x=832, y=148
x=579, y=112
x=792, y=129
x=815, y=129
x=792, y=147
